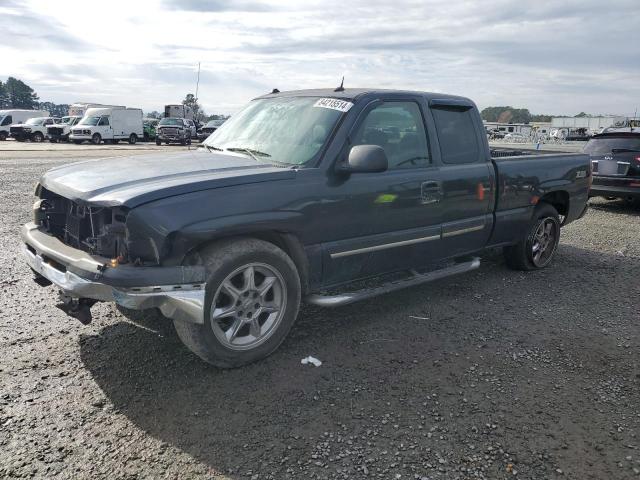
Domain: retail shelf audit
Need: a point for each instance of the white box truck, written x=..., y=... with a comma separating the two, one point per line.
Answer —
x=15, y=117
x=178, y=111
x=79, y=109
x=109, y=125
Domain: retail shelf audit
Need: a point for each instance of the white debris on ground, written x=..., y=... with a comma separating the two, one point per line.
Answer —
x=312, y=360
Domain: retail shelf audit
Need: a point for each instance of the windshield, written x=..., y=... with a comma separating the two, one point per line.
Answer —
x=214, y=123
x=66, y=119
x=176, y=122
x=92, y=121
x=35, y=121
x=603, y=145
x=289, y=130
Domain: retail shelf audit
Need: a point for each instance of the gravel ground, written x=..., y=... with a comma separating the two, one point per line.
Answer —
x=493, y=375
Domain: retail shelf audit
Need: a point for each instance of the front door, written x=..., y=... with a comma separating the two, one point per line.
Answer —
x=387, y=221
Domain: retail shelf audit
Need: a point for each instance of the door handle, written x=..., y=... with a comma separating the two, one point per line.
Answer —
x=430, y=192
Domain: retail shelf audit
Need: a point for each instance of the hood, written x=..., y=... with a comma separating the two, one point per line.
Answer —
x=131, y=181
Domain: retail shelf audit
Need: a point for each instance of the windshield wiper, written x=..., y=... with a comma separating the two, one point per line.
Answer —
x=249, y=151
x=211, y=147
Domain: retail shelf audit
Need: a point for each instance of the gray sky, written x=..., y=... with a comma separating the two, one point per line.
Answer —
x=549, y=56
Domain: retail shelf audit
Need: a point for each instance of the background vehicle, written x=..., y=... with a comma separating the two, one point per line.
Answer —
x=615, y=159
x=178, y=111
x=515, y=138
x=149, y=128
x=34, y=129
x=60, y=132
x=210, y=127
x=172, y=130
x=16, y=117
x=79, y=109
x=297, y=194
x=109, y=125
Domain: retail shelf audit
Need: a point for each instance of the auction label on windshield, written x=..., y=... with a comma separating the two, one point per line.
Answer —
x=334, y=104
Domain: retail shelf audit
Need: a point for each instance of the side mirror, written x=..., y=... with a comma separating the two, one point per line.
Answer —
x=366, y=159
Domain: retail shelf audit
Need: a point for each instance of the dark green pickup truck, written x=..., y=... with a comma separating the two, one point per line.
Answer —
x=297, y=197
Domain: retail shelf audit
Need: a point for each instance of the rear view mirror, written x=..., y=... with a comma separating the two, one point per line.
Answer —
x=366, y=159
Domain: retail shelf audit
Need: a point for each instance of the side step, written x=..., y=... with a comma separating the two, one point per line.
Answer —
x=417, y=278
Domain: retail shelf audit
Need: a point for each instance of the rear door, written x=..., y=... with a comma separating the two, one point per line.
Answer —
x=465, y=176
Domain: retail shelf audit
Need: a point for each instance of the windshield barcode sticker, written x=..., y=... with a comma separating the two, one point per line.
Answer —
x=333, y=104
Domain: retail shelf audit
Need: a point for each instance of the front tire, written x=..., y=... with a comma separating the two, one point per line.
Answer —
x=96, y=139
x=37, y=137
x=539, y=246
x=252, y=299
x=158, y=142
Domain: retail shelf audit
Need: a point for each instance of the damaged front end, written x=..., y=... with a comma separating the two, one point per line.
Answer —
x=83, y=251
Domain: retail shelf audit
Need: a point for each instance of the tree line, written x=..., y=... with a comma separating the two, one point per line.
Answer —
x=518, y=115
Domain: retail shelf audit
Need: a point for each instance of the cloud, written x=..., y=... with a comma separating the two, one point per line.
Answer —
x=548, y=56
x=218, y=6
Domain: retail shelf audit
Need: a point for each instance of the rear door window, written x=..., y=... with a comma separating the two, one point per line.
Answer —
x=457, y=135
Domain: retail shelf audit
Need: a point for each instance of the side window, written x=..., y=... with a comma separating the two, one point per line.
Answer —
x=7, y=120
x=457, y=135
x=104, y=122
x=48, y=121
x=399, y=129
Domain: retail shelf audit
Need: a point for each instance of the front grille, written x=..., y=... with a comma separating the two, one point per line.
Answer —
x=54, y=131
x=77, y=131
x=16, y=129
x=97, y=230
x=169, y=131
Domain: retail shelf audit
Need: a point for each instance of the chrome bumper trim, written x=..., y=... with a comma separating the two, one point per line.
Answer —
x=178, y=302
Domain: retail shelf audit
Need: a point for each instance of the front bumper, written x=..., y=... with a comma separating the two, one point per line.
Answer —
x=177, y=291
x=613, y=186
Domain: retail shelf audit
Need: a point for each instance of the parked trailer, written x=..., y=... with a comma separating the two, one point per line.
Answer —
x=178, y=111
x=16, y=117
x=109, y=125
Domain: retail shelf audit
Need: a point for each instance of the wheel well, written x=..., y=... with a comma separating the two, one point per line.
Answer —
x=559, y=200
x=287, y=242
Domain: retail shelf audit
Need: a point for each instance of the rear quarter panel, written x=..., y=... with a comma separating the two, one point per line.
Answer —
x=523, y=181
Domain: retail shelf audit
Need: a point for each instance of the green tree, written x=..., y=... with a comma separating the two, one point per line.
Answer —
x=4, y=99
x=20, y=95
x=506, y=115
x=191, y=101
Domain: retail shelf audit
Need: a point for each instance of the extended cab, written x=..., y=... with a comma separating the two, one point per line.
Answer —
x=295, y=197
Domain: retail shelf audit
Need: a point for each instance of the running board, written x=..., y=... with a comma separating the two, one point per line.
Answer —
x=417, y=279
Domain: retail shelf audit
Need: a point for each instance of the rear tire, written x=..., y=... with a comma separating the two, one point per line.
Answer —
x=252, y=299
x=537, y=249
x=158, y=142
x=96, y=139
x=133, y=138
x=3, y=136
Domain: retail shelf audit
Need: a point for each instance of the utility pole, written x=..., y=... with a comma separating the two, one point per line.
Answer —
x=197, y=85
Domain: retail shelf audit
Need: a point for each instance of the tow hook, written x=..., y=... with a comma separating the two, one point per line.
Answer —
x=79, y=308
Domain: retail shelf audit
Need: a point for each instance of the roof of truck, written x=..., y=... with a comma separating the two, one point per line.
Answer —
x=354, y=93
